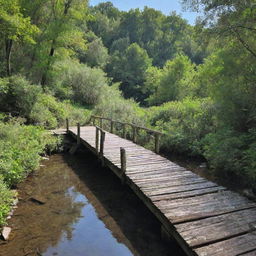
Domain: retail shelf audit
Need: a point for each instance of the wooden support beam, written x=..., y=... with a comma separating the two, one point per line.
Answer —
x=112, y=126
x=102, y=140
x=67, y=124
x=78, y=134
x=124, y=131
x=97, y=138
x=157, y=142
x=101, y=123
x=134, y=134
x=123, y=164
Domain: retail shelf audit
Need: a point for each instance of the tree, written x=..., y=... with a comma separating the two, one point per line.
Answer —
x=105, y=23
x=14, y=27
x=173, y=80
x=234, y=20
x=130, y=68
x=63, y=31
x=96, y=54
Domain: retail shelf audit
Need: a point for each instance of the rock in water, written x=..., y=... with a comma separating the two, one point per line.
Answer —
x=6, y=233
x=38, y=199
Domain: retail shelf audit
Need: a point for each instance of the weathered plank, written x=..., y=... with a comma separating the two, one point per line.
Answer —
x=199, y=207
x=231, y=247
x=213, y=229
x=192, y=193
x=252, y=253
x=177, y=188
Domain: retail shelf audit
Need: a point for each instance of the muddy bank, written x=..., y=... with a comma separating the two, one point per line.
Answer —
x=73, y=207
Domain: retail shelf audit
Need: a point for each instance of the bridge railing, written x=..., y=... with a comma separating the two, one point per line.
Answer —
x=98, y=121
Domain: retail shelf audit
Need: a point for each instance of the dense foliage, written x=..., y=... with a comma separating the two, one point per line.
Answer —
x=21, y=148
x=196, y=83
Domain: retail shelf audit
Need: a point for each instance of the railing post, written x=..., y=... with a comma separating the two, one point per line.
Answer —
x=67, y=124
x=124, y=130
x=111, y=126
x=78, y=134
x=102, y=140
x=157, y=142
x=101, y=123
x=134, y=134
x=123, y=164
x=97, y=139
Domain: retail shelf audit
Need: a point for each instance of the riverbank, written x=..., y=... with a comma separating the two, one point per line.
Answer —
x=21, y=150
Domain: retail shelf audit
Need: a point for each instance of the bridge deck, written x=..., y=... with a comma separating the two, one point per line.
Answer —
x=205, y=219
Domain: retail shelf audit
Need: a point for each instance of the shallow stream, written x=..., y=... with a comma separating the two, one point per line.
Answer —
x=73, y=207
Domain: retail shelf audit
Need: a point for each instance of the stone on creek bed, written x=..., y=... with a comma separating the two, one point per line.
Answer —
x=38, y=199
x=6, y=233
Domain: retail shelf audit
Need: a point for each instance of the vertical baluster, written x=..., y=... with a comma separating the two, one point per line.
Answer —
x=78, y=134
x=111, y=126
x=102, y=140
x=97, y=139
x=134, y=135
x=157, y=142
x=123, y=164
x=124, y=130
x=67, y=124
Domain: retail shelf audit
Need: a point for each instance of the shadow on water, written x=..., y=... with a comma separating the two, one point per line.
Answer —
x=73, y=207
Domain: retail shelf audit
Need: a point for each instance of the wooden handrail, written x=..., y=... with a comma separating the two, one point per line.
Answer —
x=125, y=123
x=135, y=129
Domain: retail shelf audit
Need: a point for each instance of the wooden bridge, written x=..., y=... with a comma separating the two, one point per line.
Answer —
x=204, y=218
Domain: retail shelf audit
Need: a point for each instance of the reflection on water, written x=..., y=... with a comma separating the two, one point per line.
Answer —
x=89, y=237
x=72, y=207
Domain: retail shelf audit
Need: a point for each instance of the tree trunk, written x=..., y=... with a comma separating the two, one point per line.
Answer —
x=44, y=76
x=8, y=49
x=67, y=5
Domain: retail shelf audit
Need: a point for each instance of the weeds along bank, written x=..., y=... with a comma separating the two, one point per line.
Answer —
x=21, y=148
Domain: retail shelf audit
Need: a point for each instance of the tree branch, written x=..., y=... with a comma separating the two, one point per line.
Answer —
x=240, y=39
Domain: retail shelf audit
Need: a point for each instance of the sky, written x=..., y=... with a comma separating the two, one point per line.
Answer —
x=166, y=6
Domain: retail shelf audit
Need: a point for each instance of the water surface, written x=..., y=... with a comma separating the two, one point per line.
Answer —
x=73, y=207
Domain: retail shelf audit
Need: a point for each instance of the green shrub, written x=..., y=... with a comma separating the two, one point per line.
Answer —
x=232, y=155
x=82, y=84
x=51, y=113
x=249, y=162
x=76, y=113
x=20, y=149
x=17, y=95
x=47, y=112
x=114, y=106
x=185, y=123
x=6, y=199
x=223, y=150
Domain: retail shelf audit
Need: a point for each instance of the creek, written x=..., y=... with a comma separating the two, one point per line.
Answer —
x=72, y=206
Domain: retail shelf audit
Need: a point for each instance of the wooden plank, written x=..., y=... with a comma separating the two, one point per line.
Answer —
x=178, y=188
x=252, y=253
x=154, y=176
x=199, y=207
x=231, y=247
x=187, y=194
x=222, y=227
x=155, y=167
x=174, y=181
